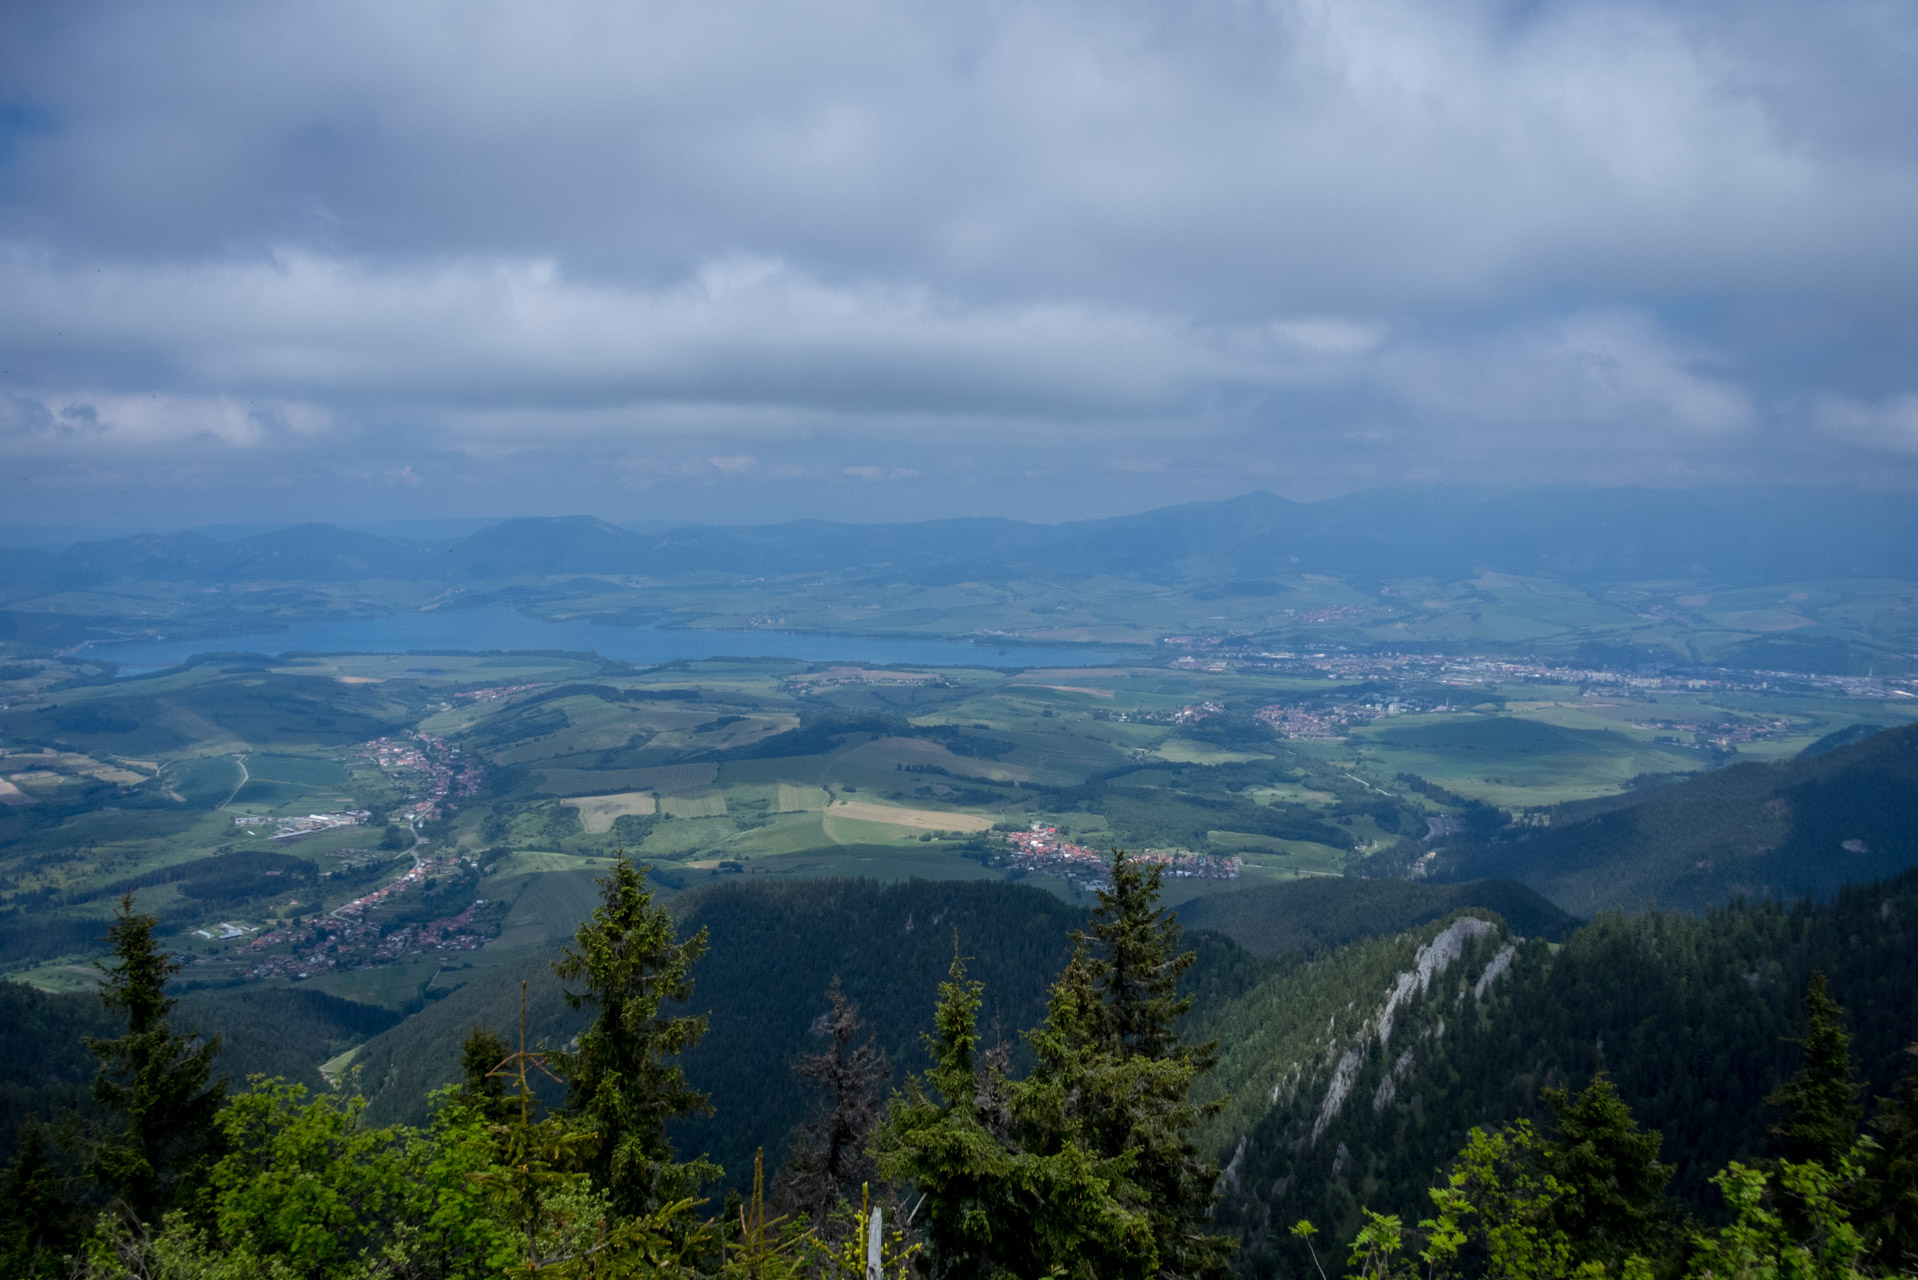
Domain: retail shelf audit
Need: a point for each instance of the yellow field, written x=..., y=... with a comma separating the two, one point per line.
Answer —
x=913, y=819
x=1065, y=688
x=598, y=813
x=800, y=799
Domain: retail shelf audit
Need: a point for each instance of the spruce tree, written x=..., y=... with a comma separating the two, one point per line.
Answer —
x=482, y=1083
x=1888, y=1194
x=1087, y=1166
x=624, y=1080
x=1137, y=964
x=1820, y=1103
x=157, y=1080
x=39, y=1222
x=991, y=1205
x=1614, y=1204
x=933, y=1138
x=1112, y=1048
x=831, y=1158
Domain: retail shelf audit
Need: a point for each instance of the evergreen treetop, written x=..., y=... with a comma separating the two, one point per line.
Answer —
x=624, y=1079
x=1819, y=1104
x=1137, y=963
x=831, y=1159
x=1607, y=1166
x=158, y=1081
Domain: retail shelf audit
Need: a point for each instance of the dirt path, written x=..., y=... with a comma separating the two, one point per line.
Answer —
x=244, y=776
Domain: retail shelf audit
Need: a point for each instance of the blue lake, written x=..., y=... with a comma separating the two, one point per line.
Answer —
x=502, y=629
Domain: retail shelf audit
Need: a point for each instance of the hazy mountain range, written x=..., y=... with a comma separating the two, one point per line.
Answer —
x=1591, y=535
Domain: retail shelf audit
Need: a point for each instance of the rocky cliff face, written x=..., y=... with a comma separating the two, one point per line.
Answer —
x=1319, y=1076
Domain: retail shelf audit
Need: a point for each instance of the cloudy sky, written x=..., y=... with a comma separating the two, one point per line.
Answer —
x=728, y=260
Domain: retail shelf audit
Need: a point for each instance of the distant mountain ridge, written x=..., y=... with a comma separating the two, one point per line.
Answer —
x=1741, y=535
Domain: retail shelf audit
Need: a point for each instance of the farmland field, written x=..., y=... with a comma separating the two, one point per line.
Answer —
x=597, y=813
x=912, y=819
x=783, y=768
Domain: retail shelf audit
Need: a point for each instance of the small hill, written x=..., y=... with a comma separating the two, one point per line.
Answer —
x=1802, y=826
x=544, y=545
x=322, y=553
x=1324, y=912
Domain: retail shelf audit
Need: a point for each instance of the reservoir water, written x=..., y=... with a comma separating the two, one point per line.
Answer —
x=499, y=628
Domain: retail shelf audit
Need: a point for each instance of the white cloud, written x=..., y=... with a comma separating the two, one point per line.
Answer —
x=110, y=423
x=1890, y=424
x=1613, y=370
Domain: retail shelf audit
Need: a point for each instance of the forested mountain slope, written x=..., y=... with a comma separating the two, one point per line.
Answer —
x=773, y=951
x=1354, y=1079
x=775, y=947
x=1324, y=912
x=1806, y=825
x=263, y=1031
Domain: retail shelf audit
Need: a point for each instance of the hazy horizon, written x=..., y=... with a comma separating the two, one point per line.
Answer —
x=55, y=535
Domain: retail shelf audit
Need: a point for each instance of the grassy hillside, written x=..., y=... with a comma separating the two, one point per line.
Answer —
x=1806, y=825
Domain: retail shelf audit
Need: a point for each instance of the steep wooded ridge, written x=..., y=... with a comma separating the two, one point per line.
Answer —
x=1780, y=830
x=1322, y=913
x=1588, y=534
x=1355, y=1079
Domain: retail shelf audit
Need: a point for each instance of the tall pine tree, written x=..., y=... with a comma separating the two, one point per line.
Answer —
x=1819, y=1105
x=157, y=1080
x=1112, y=1047
x=831, y=1158
x=624, y=1080
x=1088, y=1166
x=1888, y=1196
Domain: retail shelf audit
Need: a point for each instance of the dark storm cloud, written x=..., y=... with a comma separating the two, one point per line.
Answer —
x=952, y=251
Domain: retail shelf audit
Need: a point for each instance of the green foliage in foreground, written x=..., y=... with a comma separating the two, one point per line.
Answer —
x=1589, y=1200
x=1588, y=1204
x=1087, y=1166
